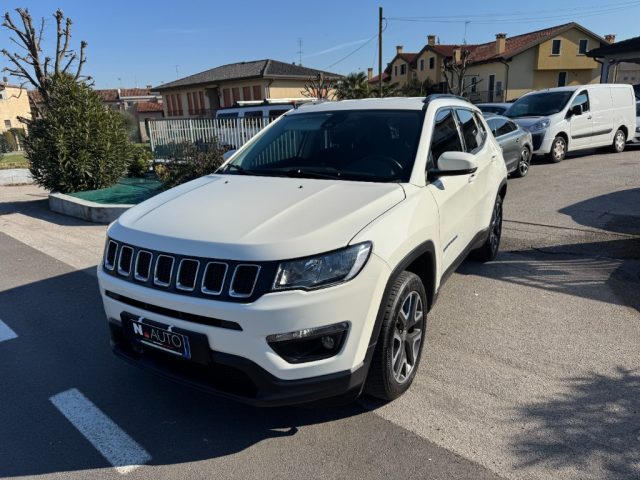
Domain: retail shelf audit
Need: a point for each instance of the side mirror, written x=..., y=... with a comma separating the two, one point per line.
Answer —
x=576, y=110
x=228, y=154
x=455, y=163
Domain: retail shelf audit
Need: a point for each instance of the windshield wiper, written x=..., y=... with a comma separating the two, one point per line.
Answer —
x=240, y=170
x=301, y=173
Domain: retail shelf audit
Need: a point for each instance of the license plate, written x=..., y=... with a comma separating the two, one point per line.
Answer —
x=161, y=338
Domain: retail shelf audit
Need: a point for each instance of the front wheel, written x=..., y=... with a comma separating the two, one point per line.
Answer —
x=619, y=142
x=489, y=249
x=558, y=149
x=524, y=163
x=397, y=352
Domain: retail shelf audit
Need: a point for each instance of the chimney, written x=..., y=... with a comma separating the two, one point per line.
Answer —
x=501, y=43
x=5, y=80
x=431, y=40
x=398, y=49
x=369, y=73
x=457, y=54
x=610, y=38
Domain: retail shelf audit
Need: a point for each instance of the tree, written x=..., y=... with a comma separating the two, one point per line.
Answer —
x=320, y=87
x=352, y=86
x=77, y=143
x=28, y=64
x=454, y=70
x=388, y=90
x=416, y=88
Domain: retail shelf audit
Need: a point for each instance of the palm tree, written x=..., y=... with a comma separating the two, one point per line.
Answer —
x=388, y=90
x=352, y=86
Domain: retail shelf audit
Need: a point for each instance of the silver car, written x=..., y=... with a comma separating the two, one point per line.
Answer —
x=516, y=143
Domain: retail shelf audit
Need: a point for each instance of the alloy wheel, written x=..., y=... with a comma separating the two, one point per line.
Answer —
x=525, y=159
x=407, y=337
x=559, y=149
x=496, y=227
x=620, y=141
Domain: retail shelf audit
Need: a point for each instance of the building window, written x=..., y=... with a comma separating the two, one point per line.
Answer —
x=246, y=93
x=395, y=70
x=421, y=64
x=202, y=107
x=583, y=46
x=474, y=84
x=555, y=47
x=562, y=79
x=432, y=63
x=257, y=92
x=7, y=124
x=403, y=69
x=190, y=103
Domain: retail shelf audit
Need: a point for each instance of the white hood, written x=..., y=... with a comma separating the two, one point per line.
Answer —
x=239, y=217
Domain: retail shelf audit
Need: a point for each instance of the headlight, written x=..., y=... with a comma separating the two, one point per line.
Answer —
x=541, y=125
x=322, y=270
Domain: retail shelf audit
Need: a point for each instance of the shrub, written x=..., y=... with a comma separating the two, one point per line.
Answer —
x=77, y=144
x=5, y=146
x=189, y=161
x=140, y=158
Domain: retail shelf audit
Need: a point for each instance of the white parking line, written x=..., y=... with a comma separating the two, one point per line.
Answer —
x=6, y=333
x=111, y=441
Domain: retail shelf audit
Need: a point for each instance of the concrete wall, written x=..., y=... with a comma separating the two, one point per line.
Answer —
x=14, y=104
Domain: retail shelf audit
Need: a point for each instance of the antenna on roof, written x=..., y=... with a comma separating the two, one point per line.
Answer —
x=464, y=39
x=299, y=52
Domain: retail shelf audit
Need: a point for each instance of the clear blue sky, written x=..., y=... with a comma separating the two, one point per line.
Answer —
x=140, y=43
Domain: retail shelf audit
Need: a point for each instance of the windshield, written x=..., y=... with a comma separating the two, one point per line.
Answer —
x=361, y=145
x=539, y=104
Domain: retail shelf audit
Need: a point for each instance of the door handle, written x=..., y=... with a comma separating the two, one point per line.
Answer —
x=472, y=178
x=518, y=140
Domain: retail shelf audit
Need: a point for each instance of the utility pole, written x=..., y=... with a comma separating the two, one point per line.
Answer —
x=380, y=52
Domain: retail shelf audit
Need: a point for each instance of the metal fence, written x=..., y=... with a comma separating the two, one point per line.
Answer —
x=166, y=134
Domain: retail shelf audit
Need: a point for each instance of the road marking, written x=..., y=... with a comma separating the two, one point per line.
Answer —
x=6, y=333
x=122, y=451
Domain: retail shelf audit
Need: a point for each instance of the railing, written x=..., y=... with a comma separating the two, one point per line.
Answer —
x=166, y=134
x=485, y=96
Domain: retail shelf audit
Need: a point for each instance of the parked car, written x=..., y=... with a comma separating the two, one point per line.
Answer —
x=261, y=109
x=637, y=137
x=497, y=108
x=304, y=267
x=565, y=119
x=516, y=143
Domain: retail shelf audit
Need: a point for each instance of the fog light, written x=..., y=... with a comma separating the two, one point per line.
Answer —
x=309, y=344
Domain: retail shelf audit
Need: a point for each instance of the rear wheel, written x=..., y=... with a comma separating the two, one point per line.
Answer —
x=489, y=250
x=558, y=149
x=397, y=353
x=524, y=163
x=619, y=141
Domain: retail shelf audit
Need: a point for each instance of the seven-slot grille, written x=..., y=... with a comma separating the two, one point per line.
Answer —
x=215, y=279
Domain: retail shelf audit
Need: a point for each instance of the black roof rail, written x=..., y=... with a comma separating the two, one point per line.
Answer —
x=435, y=96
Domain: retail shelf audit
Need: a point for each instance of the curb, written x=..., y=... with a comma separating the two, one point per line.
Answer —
x=86, y=210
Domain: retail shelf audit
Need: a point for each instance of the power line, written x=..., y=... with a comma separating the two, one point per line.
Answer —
x=358, y=48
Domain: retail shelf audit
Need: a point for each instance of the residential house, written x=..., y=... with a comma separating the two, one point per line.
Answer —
x=202, y=94
x=620, y=60
x=14, y=104
x=507, y=67
x=144, y=112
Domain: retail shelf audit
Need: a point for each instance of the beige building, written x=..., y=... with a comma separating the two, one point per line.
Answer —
x=14, y=104
x=507, y=67
x=202, y=94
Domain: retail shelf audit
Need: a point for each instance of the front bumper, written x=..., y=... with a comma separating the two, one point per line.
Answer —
x=540, y=146
x=245, y=348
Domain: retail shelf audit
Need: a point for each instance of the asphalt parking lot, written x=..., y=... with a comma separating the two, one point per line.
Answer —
x=531, y=368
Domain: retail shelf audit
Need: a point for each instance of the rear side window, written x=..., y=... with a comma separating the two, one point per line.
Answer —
x=506, y=127
x=445, y=136
x=472, y=133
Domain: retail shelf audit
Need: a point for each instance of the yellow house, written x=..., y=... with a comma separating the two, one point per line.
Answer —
x=509, y=67
x=14, y=104
x=202, y=94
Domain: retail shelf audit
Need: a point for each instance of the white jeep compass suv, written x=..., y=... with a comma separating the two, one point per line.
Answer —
x=305, y=266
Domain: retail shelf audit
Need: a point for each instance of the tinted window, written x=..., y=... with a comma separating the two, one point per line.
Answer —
x=555, y=48
x=638, y=110
x=539, y=104
x=506, y=127
x=227, y=115
x=277, y=113
x=473, y=136
x=582, y=49
x=581, y=99
x=445, y=135
x=362, y=145
x=255, y=113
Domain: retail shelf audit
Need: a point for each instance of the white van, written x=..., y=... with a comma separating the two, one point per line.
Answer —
x=565, y=119
x=262, y=108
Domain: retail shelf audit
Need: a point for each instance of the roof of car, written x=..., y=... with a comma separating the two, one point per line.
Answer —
x=389, y=103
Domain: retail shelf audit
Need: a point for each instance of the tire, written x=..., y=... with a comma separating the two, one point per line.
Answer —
x=489, y=250
x=397, y=352
x=558, y=149
x=524, y=163
x=619, y=141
